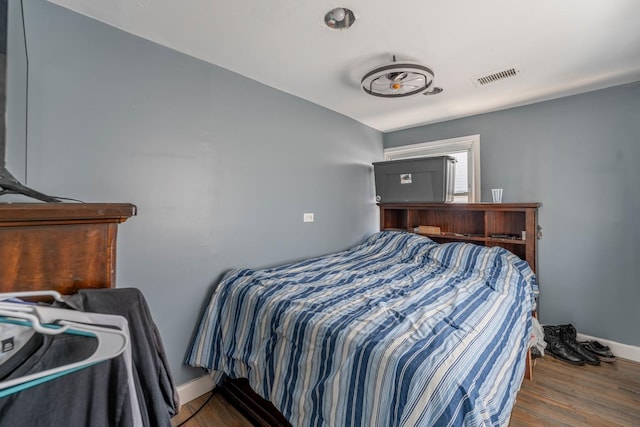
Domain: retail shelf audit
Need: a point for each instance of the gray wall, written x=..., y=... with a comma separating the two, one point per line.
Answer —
x=222, y=168
x=578, y=156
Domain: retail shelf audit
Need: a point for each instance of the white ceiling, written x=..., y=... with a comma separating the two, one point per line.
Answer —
x=561, y=47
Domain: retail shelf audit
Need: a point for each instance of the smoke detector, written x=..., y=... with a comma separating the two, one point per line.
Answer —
x=399, y=79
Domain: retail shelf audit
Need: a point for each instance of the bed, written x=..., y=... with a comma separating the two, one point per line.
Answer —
x=397, y=331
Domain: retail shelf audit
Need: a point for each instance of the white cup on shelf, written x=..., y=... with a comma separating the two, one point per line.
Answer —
x=496, y=194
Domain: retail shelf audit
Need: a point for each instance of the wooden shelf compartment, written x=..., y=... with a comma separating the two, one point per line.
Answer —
x=470, y=222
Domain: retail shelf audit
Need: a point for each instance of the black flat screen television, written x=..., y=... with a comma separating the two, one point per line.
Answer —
x=14, y=73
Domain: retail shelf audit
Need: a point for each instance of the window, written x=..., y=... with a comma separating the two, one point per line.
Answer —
x=466, y=150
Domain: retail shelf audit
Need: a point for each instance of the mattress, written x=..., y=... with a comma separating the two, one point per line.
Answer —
x=397, y=331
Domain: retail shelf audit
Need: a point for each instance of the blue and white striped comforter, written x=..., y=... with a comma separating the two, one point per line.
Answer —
x=398, y=331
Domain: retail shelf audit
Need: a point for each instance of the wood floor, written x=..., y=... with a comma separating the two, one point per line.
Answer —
x=565, y=395
x=559, y=395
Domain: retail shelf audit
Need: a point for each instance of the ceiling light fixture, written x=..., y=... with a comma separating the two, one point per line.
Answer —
x=339, y=18
x=399, y=79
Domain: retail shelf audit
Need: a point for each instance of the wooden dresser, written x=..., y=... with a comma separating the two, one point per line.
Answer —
x=59, y=246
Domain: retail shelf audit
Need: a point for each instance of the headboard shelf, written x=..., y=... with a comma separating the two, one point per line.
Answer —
x=488, y=224
x=59, y=246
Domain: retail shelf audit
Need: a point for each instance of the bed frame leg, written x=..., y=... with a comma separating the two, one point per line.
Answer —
x=528, y=370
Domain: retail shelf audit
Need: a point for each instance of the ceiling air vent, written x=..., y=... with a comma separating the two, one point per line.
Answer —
x=485, y=79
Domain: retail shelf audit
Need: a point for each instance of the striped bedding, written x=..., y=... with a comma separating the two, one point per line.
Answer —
x=397, y=331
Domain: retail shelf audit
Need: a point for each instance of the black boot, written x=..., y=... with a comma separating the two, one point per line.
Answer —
x=558, y=349
x=602, y=351
x=568, y=330
x=568, y=336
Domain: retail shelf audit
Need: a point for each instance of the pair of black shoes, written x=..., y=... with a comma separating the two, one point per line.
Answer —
x=562, y=344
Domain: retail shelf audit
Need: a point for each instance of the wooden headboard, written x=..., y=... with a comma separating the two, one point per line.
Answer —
x=513, y=226
x=59, y=246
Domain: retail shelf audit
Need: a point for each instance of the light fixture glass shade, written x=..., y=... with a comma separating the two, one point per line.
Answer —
x=338, y=14
x=339, y=18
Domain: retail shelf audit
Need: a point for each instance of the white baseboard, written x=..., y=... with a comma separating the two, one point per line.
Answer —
x=624, y=351
x=195, y=388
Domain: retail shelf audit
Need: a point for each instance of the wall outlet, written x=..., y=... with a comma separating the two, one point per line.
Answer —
x=307, y=217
